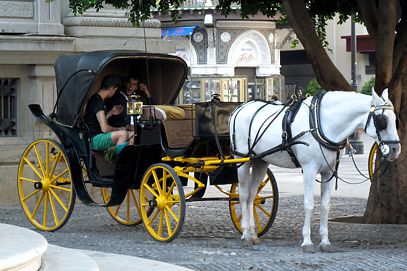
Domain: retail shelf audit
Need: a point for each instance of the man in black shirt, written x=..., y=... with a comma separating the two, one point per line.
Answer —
x=104, y=136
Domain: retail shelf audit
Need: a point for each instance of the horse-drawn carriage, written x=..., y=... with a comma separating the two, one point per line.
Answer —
x=146, y=182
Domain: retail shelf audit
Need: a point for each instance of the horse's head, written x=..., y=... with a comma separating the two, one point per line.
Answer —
x=382, y=125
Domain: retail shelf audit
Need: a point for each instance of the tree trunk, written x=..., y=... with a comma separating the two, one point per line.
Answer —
x=387, y=202
x=327, y=74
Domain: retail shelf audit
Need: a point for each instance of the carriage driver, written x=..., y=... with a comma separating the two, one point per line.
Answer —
x=103, y=135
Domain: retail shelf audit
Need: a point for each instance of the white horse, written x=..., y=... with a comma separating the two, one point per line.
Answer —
x=341, y=113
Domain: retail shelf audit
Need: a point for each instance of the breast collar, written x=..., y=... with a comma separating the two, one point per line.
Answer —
x=316, y=130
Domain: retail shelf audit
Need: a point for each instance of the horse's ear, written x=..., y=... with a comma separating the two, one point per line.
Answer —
x=385, y=94
x=374, y=95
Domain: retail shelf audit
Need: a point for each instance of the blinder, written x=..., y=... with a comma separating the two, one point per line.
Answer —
x=380, y=122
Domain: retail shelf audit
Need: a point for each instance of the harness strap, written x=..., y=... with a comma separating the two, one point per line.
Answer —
x=316, y=130
x=288, y=119
x=251, y=147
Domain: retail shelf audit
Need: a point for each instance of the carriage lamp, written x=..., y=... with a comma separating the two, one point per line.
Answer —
x=134, y=106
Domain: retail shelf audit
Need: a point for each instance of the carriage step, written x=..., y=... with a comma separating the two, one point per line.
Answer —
x=21, y=249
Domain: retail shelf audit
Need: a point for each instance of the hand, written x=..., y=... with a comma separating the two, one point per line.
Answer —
x=143, y=88
x=117, y=109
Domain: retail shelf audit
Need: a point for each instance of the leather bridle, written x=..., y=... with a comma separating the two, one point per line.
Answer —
x=380, y=124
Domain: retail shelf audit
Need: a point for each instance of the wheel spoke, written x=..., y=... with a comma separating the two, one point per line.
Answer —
x=128, y=207
x=117, y=210
x=157, y=183
x=47, y=157
x=61, y=188
x=54, y=213
x=153, y=217
x=59, y=200
x=263, y=210
x=263, y=184
x=258, y=198
x=234, y=202
x=59, y=175
x=160, y=223
x=37, y=205
x=135, y=201
x=171, y=187
x=33, y=167
x=168, y=222
x=164, y=188
x=44, y=219
x=256, y=218
x=172, y=214
x=39, y=160
x=55, y=164
x=31, y=194
x=28, y=180
x=151, y=190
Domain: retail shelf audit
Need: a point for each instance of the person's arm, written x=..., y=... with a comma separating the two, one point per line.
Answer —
x=101, y=116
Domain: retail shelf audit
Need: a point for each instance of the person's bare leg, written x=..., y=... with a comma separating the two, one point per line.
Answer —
x=119, y=137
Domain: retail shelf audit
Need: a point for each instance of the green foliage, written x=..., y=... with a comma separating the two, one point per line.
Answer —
x=320, y=10
x=367, y=87
x=313, y=87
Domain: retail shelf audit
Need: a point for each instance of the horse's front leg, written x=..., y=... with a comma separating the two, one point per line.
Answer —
x=244, y=191
x=326, y=188
x=309, y=182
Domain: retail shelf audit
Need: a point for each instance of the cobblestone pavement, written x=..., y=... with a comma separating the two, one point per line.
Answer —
x=210, y=242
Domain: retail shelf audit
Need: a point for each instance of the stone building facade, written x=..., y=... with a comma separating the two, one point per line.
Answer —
x=33, y=33
x=233, y=57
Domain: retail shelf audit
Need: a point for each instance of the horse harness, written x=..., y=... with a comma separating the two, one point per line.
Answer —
x=287, y=139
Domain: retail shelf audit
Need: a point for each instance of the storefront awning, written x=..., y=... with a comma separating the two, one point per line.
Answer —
x=364, y=44
x=177, y=31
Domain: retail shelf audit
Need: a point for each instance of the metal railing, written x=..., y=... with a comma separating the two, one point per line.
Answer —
x=8, y=107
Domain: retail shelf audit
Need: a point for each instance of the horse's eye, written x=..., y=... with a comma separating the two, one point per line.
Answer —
x=397, y=123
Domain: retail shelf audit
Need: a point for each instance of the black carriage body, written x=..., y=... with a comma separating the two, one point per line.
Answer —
x=78, y=78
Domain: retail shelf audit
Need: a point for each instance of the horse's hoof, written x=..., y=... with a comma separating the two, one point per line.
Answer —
x=327, y=248
x=308, y=248
x=256, y=240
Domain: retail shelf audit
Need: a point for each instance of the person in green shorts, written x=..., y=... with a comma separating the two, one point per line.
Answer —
x=104, y=136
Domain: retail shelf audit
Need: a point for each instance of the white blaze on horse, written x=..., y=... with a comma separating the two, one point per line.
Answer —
x=315, y=139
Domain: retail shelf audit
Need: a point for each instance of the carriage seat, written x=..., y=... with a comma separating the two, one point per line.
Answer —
x=162, y=112
x=179, y=128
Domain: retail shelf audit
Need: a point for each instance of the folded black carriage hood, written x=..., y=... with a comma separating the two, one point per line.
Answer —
x=79, y=76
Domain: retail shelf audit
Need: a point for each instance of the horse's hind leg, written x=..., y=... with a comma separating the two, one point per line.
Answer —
x=326, y=188
x=259, y=169
x=309, y=182
x=244, y=192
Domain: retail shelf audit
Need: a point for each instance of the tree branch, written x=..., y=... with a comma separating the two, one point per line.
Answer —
x=384, y=40
x=327, y=74
x=368, y=11
x=400, y=42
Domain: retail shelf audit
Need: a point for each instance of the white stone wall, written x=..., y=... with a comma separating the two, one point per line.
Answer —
x=34, y=33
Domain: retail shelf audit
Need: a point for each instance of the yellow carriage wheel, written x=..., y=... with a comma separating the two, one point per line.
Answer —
x=127, y=213
x=45, y=185
x=265, y=205
x=372, y=160
x=161, y=189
